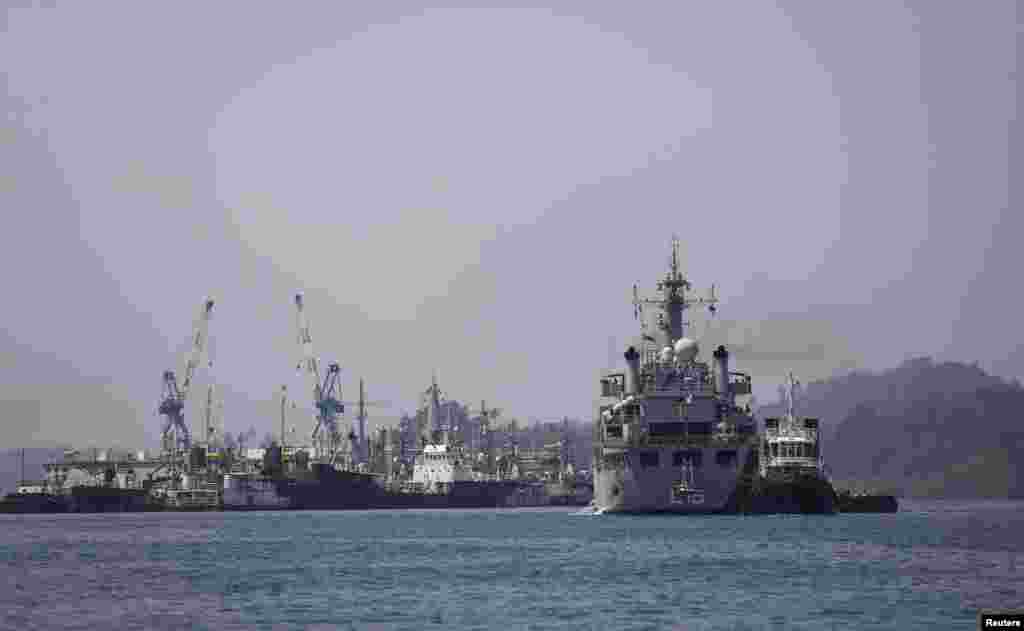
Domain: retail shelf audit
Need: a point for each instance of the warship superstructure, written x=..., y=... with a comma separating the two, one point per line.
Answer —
x=670, y=435
x=673, y=433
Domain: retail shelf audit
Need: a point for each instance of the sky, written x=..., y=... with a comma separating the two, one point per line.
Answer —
x=471, y=191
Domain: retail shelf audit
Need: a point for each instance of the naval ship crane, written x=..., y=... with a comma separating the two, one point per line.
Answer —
x=176, y=437
x=326, y=391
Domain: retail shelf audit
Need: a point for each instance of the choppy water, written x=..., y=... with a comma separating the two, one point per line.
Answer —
x=931, y=566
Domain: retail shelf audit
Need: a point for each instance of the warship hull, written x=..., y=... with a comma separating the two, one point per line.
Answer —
x=713, y=489
x=84, y=499
x=343, y=490
x=81, y=499
x=32, y=503
x=634, y=488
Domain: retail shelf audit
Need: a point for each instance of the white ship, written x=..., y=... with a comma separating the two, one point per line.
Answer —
x=791, y=446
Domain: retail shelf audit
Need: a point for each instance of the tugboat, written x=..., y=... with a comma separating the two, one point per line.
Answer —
x=792, y=472
x=793, y=476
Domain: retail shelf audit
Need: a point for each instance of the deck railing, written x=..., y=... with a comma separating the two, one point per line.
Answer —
x=795, y=432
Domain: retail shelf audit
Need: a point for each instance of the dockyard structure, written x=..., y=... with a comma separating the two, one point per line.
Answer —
x=176, y=436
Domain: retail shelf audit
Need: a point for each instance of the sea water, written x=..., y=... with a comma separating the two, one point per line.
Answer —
x=930, y=566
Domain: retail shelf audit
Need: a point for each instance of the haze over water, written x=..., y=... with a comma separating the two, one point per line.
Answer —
x=930, y=566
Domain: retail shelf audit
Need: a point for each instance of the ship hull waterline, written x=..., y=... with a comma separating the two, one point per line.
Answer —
x=713, y=490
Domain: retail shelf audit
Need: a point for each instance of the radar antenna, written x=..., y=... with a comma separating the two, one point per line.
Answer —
x=672, y=302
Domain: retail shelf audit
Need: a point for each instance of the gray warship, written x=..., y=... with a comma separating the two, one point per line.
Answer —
x=671, y=434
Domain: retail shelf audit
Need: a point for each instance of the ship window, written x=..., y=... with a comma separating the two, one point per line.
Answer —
x=681, y=457
x=699, y=428
x=645, y=459
x=667, y=429
x=726, y=458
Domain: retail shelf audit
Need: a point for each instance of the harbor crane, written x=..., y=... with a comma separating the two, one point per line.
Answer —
x=175, y=436
x=326, y=391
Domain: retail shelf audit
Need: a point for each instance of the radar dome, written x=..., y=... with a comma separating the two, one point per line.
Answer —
x=686, y=349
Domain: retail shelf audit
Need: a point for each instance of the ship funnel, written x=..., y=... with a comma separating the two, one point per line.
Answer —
x=633, y=371
x=722, y=370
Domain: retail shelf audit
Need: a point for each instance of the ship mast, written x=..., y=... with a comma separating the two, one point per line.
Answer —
x=433, y=405
x=673, y=300
x=793, y=383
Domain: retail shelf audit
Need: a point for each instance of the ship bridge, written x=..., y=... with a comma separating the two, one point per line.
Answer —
x=790, y=445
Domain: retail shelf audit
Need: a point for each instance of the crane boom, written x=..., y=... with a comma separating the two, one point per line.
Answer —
x=307, y=361
x=200, y=332
x=175, y=432
x=326, y=389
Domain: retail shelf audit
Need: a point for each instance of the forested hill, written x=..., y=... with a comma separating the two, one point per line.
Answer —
x=921, y=429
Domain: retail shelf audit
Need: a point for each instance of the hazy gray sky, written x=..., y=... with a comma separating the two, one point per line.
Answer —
x=475, y=190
